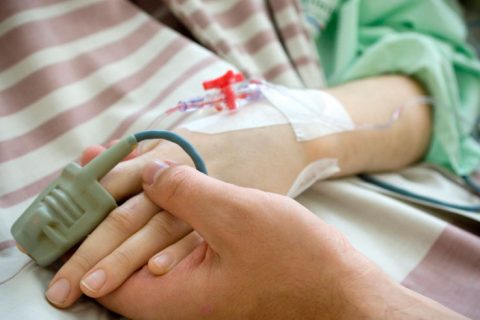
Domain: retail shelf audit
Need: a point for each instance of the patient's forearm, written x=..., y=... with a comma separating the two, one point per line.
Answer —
x=372, y=101
x=270, y=158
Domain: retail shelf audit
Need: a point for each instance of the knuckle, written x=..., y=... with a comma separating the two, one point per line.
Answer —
x=257, y=202
x=81, y=261
x=121, y=220
x=189, y=243
x=122, y=257
x=167, y=226
x=179, y=182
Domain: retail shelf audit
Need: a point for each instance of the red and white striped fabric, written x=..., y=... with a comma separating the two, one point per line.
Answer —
x=261, y=38
x=72, y=74
x=80, y=72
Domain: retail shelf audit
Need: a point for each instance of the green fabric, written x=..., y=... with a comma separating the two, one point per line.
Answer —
x=424, y=39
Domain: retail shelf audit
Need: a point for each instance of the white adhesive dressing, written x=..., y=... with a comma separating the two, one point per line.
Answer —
x=311, y=113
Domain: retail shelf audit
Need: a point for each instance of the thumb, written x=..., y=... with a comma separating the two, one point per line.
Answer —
x=91, y=153
x=215, y=209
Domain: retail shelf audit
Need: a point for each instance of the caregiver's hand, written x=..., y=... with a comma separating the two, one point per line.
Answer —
x=264, y=257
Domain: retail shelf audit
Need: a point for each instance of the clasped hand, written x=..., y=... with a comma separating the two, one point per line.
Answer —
x=256, y=255
x=259, y=254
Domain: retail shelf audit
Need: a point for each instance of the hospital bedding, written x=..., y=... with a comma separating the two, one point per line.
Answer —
x=82, y=72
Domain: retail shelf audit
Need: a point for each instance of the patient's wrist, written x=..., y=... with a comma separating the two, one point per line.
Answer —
x=373, y=101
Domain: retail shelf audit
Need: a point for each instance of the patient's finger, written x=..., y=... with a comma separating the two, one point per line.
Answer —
x=91, y=153
x=119, y=225
x=169, y=257
x=162, y=230
x=124, y=179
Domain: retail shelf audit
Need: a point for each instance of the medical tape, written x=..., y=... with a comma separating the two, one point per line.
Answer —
x=311, y=114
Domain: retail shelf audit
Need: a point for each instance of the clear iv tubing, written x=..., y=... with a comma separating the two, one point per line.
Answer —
x=249, y=91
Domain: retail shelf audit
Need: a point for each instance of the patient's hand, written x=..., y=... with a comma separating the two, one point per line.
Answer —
x=138, y=230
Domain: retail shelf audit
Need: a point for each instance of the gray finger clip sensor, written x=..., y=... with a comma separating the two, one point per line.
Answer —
x=75, y=203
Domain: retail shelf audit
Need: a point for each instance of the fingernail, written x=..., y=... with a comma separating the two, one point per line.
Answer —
x=58, y=292
x=151, y=171
x=95, y=280
x=164, y=261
